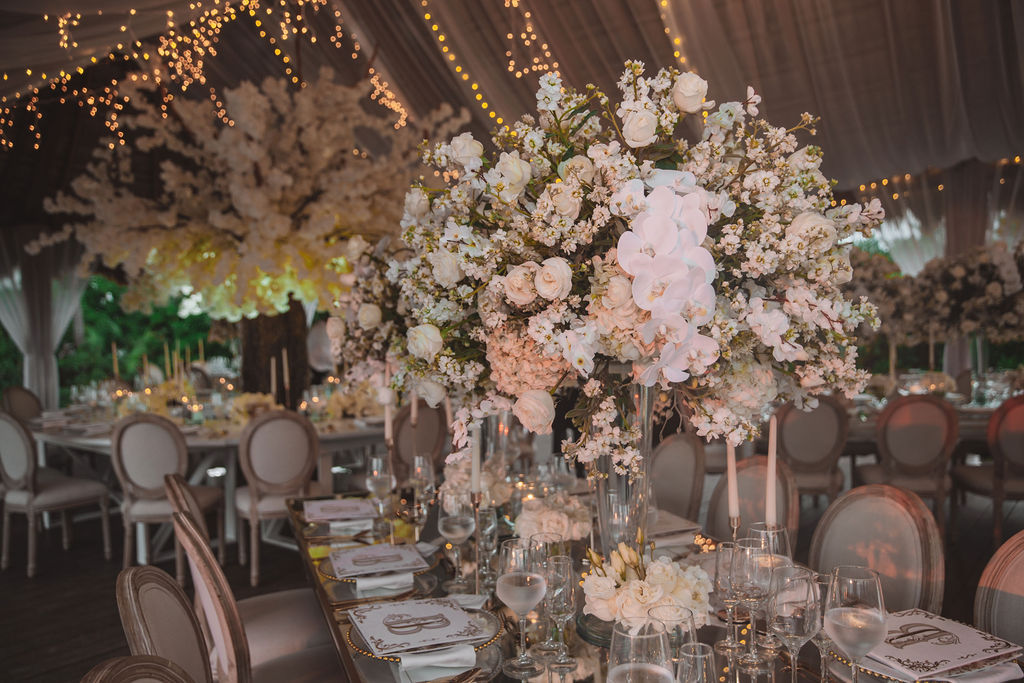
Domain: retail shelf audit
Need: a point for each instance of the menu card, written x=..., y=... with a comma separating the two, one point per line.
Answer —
x=919, y=644
x=335, y=510
x=376, y=559
x=392, y=627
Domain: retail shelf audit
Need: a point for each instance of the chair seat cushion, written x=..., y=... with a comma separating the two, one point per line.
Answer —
x=54, y=490
x=921, y=484
x=316, y=665
x=283, y=622
x=270, y=505
x=981, y=479
x=160, y=509
x=818, y=482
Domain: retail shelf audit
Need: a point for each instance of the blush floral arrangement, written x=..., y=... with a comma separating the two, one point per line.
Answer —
x=558, y=513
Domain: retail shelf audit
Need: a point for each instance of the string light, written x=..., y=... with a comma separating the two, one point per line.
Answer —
x=675, y=36
x=539, y=58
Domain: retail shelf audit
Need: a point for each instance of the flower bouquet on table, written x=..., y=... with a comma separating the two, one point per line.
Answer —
x=246, y=406
x=558, y=513
x=625, y=585
x=496, y=490
x=597, y=236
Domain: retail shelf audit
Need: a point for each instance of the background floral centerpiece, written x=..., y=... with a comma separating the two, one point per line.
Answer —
x=558, y=513
x=597, y=236
x=495, y=489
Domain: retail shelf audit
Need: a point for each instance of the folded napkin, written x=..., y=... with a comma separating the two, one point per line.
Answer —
x=428, y=548
x=351, y=527
x=1007, y=671
x=469, y=600
x=426, y=666
x=384, y=582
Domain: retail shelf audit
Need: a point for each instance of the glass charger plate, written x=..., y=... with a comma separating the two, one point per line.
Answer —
x=488, y=652
x=326, y=569
x=342, y=595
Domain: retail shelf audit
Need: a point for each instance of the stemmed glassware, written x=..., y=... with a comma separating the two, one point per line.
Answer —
x=793, y=609
x=561, y=606
x=379, y=480
x=414, y=513
x=821, y=639
x=855, y=612
x=641, y=654
x=487, y=543
x=679, y=626
x=728, y=646
x=456, y=523
x=696, y=664
x=751, y=575
x=775, y=540
x=421, y=478
x=521, y=586
x=547, y=545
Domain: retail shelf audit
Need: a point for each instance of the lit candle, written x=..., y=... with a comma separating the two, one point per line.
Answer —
x=730, y=473
x=769, y=496
x=167, y=362
x=284, y=370
x=414, y=411
x=474, y=472
x=202, y=352
x=273, y=377
x=113, y=355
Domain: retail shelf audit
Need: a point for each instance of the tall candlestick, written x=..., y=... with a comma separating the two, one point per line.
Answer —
x=730, y=473
x=892, y=360
x=167, y=362
x=202, y=352
x=414, y=408
x=931, y=350
x=145, y=370
x=770, y=517
x=188, y=359
x=113, y=355
x=388, y=429
x=174, y=366
x=448, y=412
x=273, y=377
x=474, y=472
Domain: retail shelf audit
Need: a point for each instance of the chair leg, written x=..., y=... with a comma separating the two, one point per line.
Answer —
x=179, y=562
x=65, y=529
x=129, y=543
x=221, y=536
x=240, y=536
x=147, y=551
x=31, y=571
x=254, y=538
x=105, y=521
x=5, y=560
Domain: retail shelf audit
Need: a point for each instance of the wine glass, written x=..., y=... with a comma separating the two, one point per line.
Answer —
x=521, y=585
x=421, y=478
x=751, y=575
x=696, y=664
x=456, y=523
x=379, y=480
x=414, y=513
x=855, y=612
x=793, y=609
x=560, y=603
x=641, y=654
x=821, y=639
x=728, y=646
x=679, y=626
x=774, y=537
x=487, y=543
x=547, y=545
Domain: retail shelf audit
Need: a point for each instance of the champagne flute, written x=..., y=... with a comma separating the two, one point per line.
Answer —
x=487, y=542
x=379, y=480
x=641, y=655
x=679, y=626
x=456, y=523
x=547, y=545
x=521, y=585
x=793, y=609
x=697, y=664
x=821, y=639
x=561, y=606
x=728, y=646
x=855, y=612
x=775, y=540
x=751, y=574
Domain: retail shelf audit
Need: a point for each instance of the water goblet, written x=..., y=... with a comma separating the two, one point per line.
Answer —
x=728, y=646
x=639, y=654
x=793, y=610
x=821, y=639
x=561, y=606
x=751, y=575
x=456, y=523
x=547, y=545
x=421, y=477
x=521, y=586
x=679, y=626
x=696, y=664
x=487, y=543
x=379, y=480
x=855, y=612
x=775, y=539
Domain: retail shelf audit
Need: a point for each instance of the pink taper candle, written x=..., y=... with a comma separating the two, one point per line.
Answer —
x=448, y=412
x=769, y=496
x=388, y=432
x=474, y=472
x=730, y=474
x=414, y=407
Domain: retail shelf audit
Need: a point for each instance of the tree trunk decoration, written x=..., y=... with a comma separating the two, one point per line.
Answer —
x=263, y=338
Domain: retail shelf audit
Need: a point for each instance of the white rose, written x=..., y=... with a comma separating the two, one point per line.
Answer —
x=519, y=284
x=417, y=204
x=431, y=392
x=633, y=601
x=619, y=292
x=629, y=199
x=688, y=92
x=565, y=200
x=599, y=592
x=579, y=165
x=639, y=128
x=369, y=316
x=445, y=268
x=554, y=281
x=515, y=174
x=813, y=230
x=467, y=151
x=336, y=329
x=424, y=341
x=554, y=521
x=536, y=410
x=355, y=248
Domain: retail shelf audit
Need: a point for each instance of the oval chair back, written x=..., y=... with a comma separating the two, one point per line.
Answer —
x=751, y=474
x=17, y=455
x=158, y=620
x=812, y=440
x=1006, y=438
x=22, y=403
x=278, y=451
x=183, y=501
x=890, y=530
x=426, y=437
x=916, y=434
x=999, y=602
x=677, y=472
x=145, y=448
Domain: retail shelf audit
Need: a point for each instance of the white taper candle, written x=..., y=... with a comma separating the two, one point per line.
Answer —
x=770, y=517
x=730, y=474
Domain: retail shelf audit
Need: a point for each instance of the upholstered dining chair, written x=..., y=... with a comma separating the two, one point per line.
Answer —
x=137, y=669
x=916, y=436
x=278, y=451
x=158, y=620
x=145, y=448
x=427, y=436
x=999, y=602
x=183, y=500
x=238, y=655
x=1003, y=478
x=750, y=480
x=890, y=530
x=811, y=441
x=31, y=490
x=263, y=614
x=22, y=403
x=677, y=473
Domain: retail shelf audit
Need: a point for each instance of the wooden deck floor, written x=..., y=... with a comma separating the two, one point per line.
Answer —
x=56, y=626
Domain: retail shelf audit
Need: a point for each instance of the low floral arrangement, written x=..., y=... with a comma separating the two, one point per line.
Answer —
x=358, y=400
x=626, y=586
x=559, y=513
x=246, y=406
x=496, y=491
